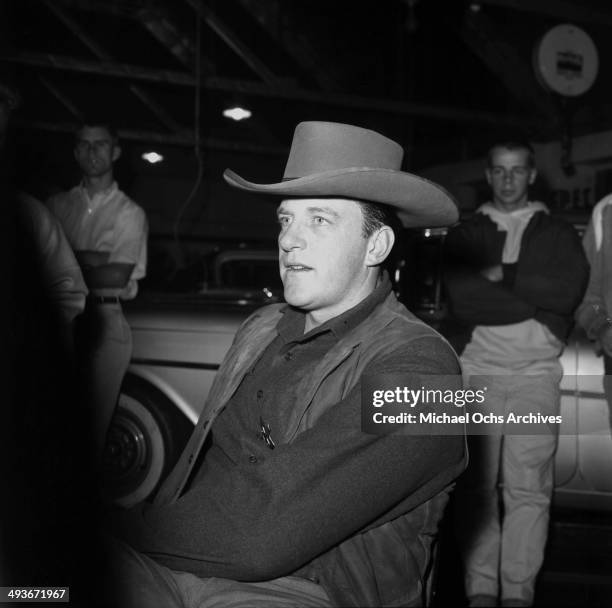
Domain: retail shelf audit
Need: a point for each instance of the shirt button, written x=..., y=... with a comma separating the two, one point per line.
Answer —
x=252, y=459
x=260, y=394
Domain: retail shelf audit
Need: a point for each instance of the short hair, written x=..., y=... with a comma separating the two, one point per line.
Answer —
x=376, y=216
x=99, y=122
x=513, y=145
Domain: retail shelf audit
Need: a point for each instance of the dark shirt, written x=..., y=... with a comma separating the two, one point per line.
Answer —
x=267, y=392
x=254, y=513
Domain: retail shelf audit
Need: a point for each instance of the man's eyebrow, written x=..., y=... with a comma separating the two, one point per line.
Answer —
x=327, y=210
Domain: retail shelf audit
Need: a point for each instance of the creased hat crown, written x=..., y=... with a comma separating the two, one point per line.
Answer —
x=318, y=147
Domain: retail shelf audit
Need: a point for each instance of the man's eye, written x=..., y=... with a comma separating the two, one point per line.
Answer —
x=283, y=220
x=317, y=219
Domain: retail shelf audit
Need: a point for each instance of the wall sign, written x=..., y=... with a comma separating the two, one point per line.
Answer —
x=566, y=60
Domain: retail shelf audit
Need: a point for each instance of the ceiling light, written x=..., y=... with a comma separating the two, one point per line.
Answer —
x=152, y=157
x=237, y=113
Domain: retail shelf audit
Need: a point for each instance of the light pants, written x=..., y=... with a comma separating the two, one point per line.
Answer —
x=140, y=582
x=503, y=558
x=107, y=359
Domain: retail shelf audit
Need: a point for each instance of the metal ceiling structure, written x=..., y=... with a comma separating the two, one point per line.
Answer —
x=442, y=77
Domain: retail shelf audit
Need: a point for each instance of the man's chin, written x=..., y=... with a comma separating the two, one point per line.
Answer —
x=297, y=299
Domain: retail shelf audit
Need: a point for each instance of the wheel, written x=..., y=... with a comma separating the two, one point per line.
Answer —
x=146, y=437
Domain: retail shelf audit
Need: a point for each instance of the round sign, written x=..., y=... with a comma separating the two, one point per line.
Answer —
x=566, y=61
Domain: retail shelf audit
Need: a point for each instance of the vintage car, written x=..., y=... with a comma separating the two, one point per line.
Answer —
x=180, y=341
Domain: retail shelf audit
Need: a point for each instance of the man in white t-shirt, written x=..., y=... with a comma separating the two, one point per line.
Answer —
x=515, y=276
x=108, y=233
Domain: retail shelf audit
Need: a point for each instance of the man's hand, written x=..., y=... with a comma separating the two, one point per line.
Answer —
x=605, y=340
x=493, y=273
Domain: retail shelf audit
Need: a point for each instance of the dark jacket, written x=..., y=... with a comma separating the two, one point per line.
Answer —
x=546, y=283
x=385, y=563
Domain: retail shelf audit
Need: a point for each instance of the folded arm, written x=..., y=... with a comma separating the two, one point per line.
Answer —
x=475, y=298
x=99, y=273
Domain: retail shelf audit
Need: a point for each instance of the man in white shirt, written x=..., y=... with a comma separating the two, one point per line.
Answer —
x=108, y=233
x=515, y=274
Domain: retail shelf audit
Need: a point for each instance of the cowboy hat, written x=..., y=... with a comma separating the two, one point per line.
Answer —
x=331, y=159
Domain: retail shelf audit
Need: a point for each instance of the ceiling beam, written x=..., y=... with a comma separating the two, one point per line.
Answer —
x=564, y=11
x=62, y=98
x=101, y=53
x=230, y=38
x=170, y=139
x=155, y=19
x=503, y=61
x=295, y=44
x=183, y=48
x=372, y=104
x=176, y=42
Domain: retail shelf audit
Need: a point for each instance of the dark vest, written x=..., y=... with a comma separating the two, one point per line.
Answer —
x=386, y=564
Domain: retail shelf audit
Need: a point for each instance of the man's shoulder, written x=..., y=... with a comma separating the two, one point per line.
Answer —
x=392, y=322
x=604, y=204
x=474, y=226
x=602, y=212
x=128, y=205
x=549, y=222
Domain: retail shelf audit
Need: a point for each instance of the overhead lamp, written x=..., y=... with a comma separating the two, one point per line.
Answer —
x=237, y=113
x=152, y=157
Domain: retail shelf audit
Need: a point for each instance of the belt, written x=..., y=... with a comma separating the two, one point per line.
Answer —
x=104, y=299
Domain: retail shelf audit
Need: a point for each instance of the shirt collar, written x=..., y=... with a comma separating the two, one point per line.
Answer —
x=103, y=194
x=291, y=326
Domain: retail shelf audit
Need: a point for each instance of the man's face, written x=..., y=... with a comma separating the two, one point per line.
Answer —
x=322, y=255
x=95, y=151
x=510, y=177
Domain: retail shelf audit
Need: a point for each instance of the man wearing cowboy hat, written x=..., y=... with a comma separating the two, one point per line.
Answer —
x=280, y=498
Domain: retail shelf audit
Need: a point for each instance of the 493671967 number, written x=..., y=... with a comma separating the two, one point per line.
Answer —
x=34, y=594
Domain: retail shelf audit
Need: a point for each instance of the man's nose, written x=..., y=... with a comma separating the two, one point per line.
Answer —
x=291, y=237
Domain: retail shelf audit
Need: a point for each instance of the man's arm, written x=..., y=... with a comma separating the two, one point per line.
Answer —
x=592, y=314
x=557, y=281
x=473, y=282
x=257, y=522
x=101, y=274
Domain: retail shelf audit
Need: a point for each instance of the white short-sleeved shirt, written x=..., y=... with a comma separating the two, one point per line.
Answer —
x=108, y=222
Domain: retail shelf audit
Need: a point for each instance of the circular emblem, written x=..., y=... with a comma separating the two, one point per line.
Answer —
x=566, y=60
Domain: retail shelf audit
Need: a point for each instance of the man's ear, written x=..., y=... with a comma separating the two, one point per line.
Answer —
x=533, y=173
x=116, y=152
x=488, y=176
x=380, y=244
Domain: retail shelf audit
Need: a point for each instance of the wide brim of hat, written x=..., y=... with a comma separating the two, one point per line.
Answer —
x=419, y=202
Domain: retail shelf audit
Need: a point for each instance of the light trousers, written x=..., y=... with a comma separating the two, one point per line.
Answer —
x=140, y=582
x=107, y=356
x=503, y=551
